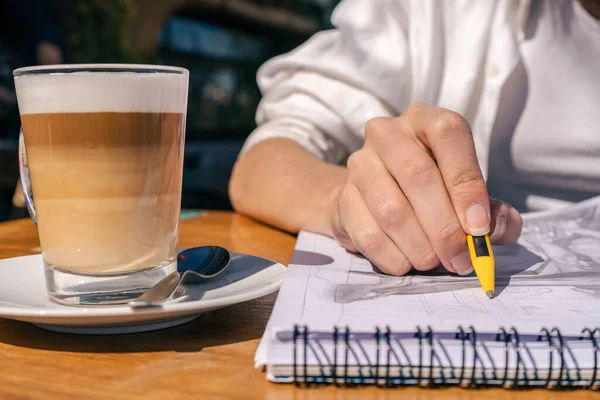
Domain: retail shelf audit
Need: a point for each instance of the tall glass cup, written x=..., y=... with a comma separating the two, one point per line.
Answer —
x=101, y=153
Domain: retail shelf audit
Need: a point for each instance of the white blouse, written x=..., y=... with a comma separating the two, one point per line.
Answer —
x=524, y=73
x=546, y=139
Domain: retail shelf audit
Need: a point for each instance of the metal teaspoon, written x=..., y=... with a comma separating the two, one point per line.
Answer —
x=193, y=266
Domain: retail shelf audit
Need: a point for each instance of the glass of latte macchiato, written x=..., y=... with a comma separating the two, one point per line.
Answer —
x=101, y=166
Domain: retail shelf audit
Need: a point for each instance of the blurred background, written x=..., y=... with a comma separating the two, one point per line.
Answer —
x=221, y=42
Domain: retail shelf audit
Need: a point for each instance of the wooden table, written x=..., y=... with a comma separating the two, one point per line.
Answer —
x=211, y=357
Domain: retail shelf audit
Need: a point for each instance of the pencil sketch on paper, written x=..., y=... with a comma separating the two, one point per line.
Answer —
x=557, y=250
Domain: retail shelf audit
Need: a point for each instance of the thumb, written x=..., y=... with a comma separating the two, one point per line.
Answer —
x=506, y=223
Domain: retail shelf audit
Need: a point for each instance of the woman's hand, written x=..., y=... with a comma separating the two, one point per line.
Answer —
x=414, y=191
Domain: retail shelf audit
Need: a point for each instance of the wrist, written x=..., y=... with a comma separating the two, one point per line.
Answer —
x=321, y=213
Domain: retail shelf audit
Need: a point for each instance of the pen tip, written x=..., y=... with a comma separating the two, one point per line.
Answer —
x=489, y=294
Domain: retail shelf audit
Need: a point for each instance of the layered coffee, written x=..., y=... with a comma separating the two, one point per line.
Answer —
x=105, y=158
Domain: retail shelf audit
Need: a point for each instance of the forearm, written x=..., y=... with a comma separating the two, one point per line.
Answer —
x=279, y=182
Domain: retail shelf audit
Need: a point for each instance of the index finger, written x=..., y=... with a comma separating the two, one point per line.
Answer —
x=448, y=136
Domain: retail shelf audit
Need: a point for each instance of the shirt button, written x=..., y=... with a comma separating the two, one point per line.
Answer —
x=493, y=69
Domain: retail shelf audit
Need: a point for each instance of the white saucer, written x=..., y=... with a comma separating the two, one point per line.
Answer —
x=23, y=297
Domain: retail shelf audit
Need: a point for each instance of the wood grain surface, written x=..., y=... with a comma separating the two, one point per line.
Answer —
x=209, y=358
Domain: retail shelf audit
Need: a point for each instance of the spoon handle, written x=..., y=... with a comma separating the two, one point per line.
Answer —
x=157, y=294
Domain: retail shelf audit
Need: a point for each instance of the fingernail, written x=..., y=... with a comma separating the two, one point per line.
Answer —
x=462, y=263
x=478, y=220
x=500, y=229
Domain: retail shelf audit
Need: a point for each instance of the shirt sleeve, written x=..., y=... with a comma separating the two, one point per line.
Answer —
x=322, y=93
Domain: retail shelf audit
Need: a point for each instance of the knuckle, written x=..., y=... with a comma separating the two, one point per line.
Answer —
x=354, y=161
x=375, y=124
x=449, y=234
x=368, y=240
x=416, y=107
x=358, y=166
x=377, y=127
x=390, y=213
x=448, y=123
x=419, y=170
x=467, y=182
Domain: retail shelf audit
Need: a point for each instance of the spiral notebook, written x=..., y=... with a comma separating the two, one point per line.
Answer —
x=337, y=320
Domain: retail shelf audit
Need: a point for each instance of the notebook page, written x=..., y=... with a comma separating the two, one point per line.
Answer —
x=551, y=278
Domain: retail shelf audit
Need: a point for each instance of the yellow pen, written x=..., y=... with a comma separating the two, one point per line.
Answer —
x=482, y=259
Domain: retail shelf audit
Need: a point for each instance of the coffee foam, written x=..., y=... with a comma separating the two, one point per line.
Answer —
x=102, y=91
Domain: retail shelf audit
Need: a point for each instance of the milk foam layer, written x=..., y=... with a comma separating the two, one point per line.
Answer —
x=102, y=91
